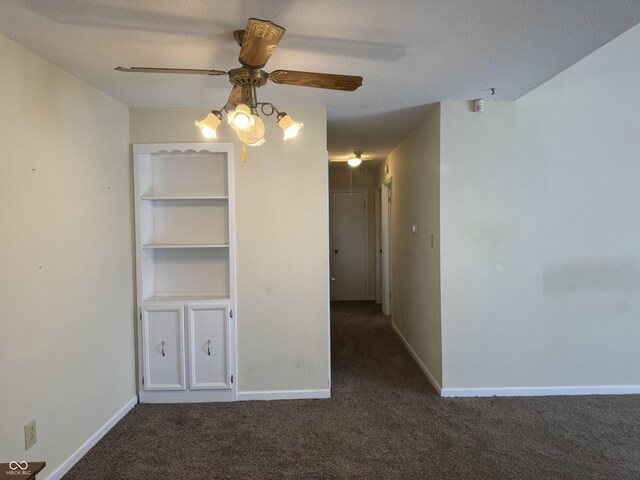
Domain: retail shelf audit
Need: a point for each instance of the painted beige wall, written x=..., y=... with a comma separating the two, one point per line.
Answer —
x=67, y=356
x=362, y=180
x=414, y=167
x=540, y=231
x=282, y=245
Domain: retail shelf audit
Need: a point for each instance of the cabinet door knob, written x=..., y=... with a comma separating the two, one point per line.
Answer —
x=335, y=251
x=209, y=347
x=162, y=347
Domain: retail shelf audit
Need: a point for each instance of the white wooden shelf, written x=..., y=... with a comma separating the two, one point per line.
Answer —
x=186, y=245
x=185, y=298
x=184, y=197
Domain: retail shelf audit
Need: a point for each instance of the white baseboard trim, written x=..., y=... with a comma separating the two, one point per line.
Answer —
x=59, y=472
x=422, y=366
x=284, y=394
x=541, y=391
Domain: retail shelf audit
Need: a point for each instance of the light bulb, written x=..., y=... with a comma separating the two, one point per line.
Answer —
x=241, y=117
x=208, y=132
x=241, y=121
x=289, y=126
x=291, y=132
x=254, y=135
x=209, y=125
x=354, y=162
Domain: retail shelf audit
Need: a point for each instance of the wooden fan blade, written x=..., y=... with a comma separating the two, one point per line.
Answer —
x=259, y=40
x=316, y=80
x=234, y=97
x=189, y=71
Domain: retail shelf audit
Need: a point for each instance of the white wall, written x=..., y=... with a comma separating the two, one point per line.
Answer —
x=282, y=234
x=414, y=167
x=67, y=356
x=541, y=232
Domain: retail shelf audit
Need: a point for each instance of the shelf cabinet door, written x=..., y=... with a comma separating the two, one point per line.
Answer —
x=209, y=346
x=163, y=348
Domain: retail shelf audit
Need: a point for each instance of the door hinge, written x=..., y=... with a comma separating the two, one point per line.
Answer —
x=231, y=313
x=389, y=294
x=231, y=378
x=141, y=316
x=143, y=381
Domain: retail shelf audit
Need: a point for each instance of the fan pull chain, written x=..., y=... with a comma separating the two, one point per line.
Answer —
x=244, y=153
x=350, y=182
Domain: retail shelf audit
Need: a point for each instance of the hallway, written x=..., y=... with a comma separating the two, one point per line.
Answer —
x=384, y=421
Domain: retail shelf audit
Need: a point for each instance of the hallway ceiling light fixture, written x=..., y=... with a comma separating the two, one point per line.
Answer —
x=356, y=160
x=257, y=43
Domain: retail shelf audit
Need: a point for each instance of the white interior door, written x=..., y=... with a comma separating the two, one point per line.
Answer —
x=349, y=245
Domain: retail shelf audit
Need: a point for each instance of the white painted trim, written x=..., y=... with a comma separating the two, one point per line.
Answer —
x=327, y=223
x=187, y=396
x=422, y=366
x=233, y=281
x=386, y=223
x=541, y=391
x=377, y=240
x=284, y=395
x=59, y=472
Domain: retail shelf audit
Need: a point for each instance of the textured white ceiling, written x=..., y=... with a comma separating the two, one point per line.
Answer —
x=411, y=53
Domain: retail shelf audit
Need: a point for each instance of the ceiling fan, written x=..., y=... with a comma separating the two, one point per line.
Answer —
x=257, y=43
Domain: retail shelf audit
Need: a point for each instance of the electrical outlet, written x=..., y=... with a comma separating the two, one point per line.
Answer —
x=30, y=437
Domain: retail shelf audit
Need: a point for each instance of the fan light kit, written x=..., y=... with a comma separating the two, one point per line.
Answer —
x=356, y=160
x=257, y=43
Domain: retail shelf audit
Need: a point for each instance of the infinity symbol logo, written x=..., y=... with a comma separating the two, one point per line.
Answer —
x=21, y=465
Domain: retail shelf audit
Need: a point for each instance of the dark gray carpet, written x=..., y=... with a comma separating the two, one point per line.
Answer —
x=384, y=421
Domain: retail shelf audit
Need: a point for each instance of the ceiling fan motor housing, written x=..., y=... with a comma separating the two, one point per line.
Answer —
x=248, y=76
x=248, y=79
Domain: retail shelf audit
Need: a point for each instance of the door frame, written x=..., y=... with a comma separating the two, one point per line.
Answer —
x=366, y=234
x=377, y=234
x=386, y=222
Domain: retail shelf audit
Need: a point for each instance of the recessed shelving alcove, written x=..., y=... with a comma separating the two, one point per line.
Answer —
x=185, y=262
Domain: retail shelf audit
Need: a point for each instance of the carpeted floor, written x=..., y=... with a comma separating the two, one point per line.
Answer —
x=384, y=421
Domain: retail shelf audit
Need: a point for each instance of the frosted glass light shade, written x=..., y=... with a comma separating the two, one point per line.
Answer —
x=209, y=125
x=289, y=126
x=354, y=162
x=252, y=136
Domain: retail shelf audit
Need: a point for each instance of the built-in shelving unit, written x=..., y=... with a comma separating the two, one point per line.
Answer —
x=185, y=270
